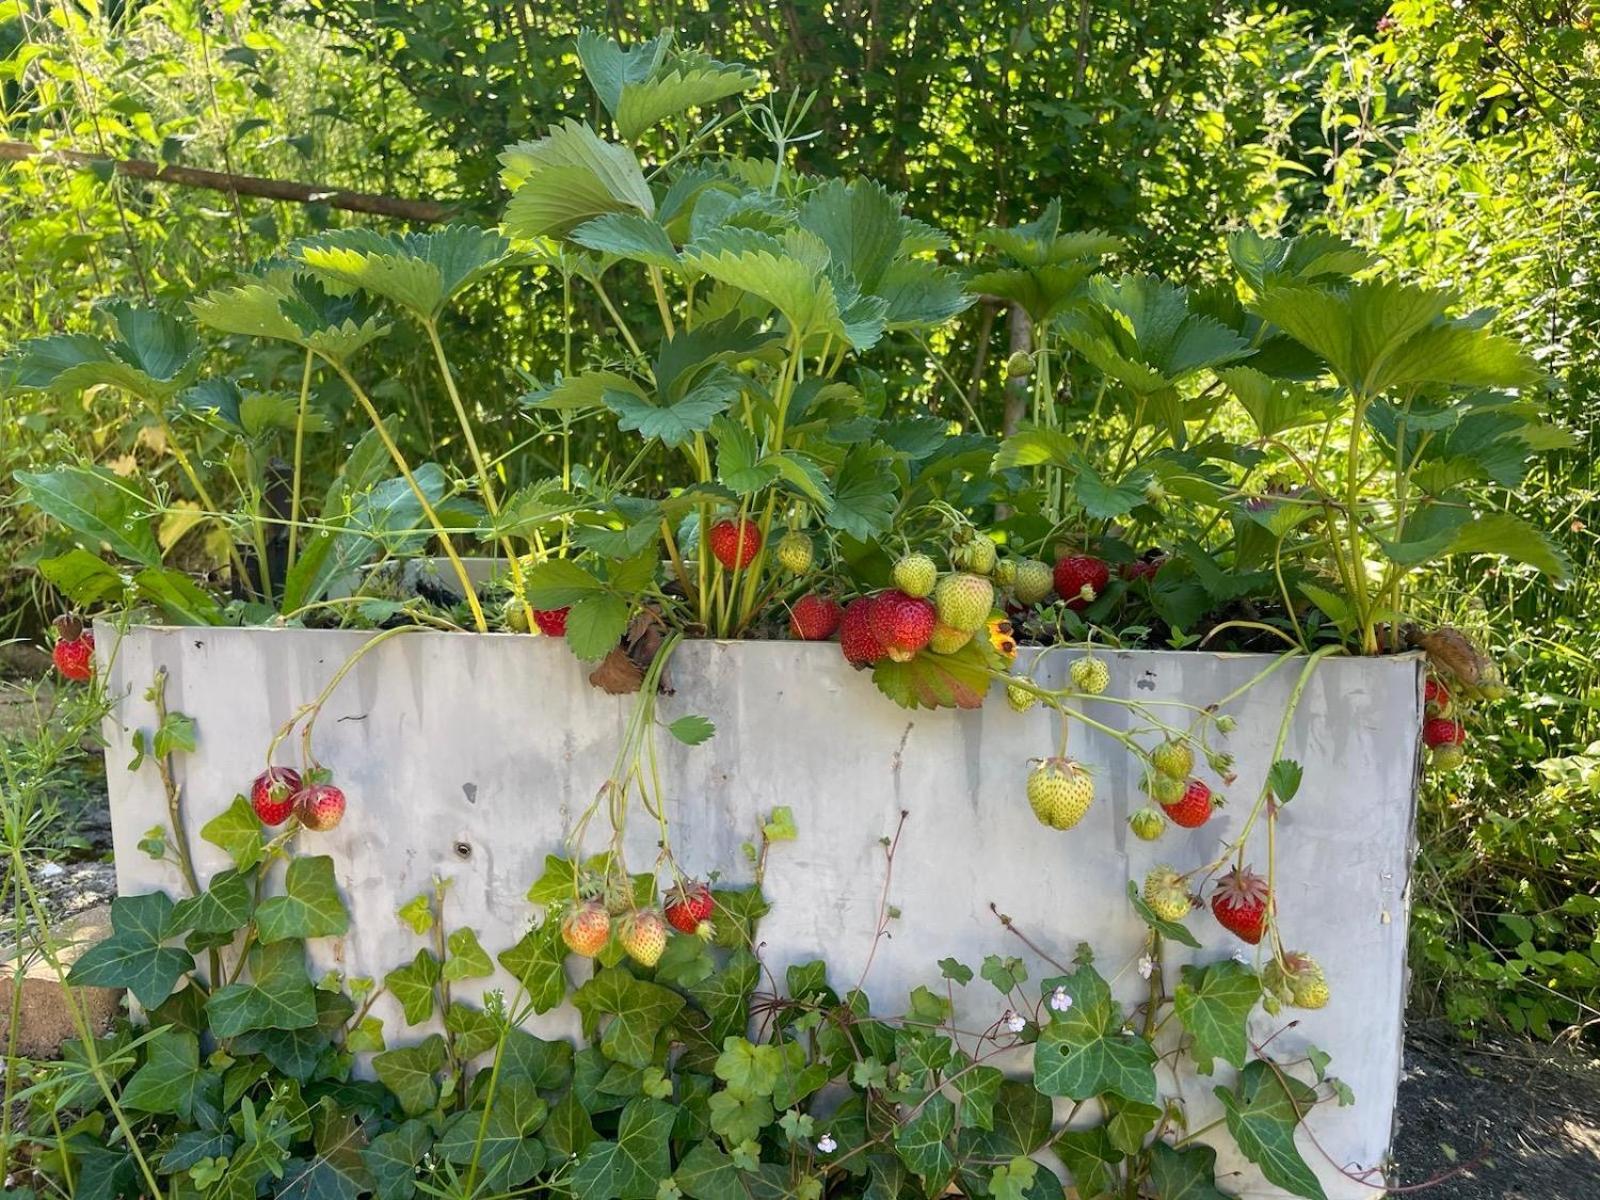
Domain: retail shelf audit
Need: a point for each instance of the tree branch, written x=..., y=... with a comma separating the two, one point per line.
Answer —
x=238, y=185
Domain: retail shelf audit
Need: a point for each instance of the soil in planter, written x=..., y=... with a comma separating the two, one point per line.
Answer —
x=1526, y=1115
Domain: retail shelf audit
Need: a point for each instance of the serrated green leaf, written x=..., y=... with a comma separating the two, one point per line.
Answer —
x=596, y=624
x=692, y=730
x=568, y=177
x=929, y=680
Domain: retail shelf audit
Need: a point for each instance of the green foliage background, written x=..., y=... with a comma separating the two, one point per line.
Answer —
x=1455, y=139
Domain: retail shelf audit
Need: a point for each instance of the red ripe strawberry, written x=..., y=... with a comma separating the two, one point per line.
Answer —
x=272, y=794
x=320, y=807
x=1077, y=572
x=1142, y=568
x=1443, y=731
x=1435, y=692
x=1194, y=808
x=860, y=645
x=552, y=622
x=814, y=618
x=587, y=929
x=74, y=657
x=689, y=907
x=901, y=623
x=735, y=543
x=1240, y=904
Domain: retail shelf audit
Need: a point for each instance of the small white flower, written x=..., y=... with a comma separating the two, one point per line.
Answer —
x=1240, y=957
x=1013, y=1021
x=1059, y=1000
x=1147, y=967
x=826, y=1144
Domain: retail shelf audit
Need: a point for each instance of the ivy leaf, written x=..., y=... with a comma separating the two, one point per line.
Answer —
x=472, y=1029
x=392, y=1159
x=1004, y=973
x=632, y=1166
x=536, y=963
x=224, y=907
x=410, y=1073
x=546, y=1065
x=707, y=1173
x=501, y=1139
x=337, y=1171
x=173, y=1081
x=467, y=959
x=278, y=996
x=923, y=1143
x=236, y=830
x=98, y=507
x=1084, y=1051
x=310, y=906
x=950, y=968
x=979, y=1086
x=1092, y=1159
x=631, y=1011
x=417, y=912
x=738, y=1116
x=568, y=1130
x=1129, y=1123
x=929, y=680
x=412, y=985
x=725, y=996
x=1213, y=1002
x=1187, y=1174
x=1262, y=1112
x=134, y=956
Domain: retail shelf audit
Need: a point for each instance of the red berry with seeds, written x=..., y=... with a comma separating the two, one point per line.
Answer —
x=689, y=908
x=1443, y=731
x=901, y=623
x=860, y=645
x=815, y=618
x=272, y=794
x=1240, y=904
x=1080, y=579
x=552, y=622
x=587, y=929
x=1193, y=809
x=735, y=543
x=73, y=653
x=320, y=807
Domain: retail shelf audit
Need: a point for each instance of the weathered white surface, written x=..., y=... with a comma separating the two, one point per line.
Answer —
x=470, y=756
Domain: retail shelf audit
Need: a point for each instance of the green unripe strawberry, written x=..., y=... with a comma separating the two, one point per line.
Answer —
x=1020, y=699
x=1005, y=573
x=1034, y=582
x=515, y=616
x=964, y=601
x=795, y=552
x=1164, y=789
x=1446, y=758
x=1173, y=758
x=1089, y=674
x=1296, y=979
x=915, y=575
x=1020, y=364
x=945, y=640
x=1060, y=792
x=1165, y=893
x=977, y=555
x=1147, y=824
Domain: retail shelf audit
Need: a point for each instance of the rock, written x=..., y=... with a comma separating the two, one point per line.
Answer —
x=45, y=1020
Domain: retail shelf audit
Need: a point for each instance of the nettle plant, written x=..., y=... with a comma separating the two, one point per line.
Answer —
x=700, y=1074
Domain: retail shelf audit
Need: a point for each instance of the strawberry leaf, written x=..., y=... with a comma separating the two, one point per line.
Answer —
x=931, y=680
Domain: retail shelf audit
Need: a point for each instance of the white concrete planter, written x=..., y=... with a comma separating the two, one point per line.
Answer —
x=469, y=756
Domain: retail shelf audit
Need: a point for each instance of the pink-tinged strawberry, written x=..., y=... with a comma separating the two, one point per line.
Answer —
x=552, y=622
x=1240, y=904
x=901, y=623
x=272, y=794
x=815, y=618
x=587, y=929
x=1142, y=568
x=1080, y=579
x=1194, y=807
x=1443, y=731
x=320, y=807
x=644, y=936
x=689, y=908
x=860, y=645
x=735, y=543
x=73, y=653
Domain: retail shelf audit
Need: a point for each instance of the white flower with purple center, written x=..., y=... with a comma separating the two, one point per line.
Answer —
x=1014, y=1021
x=826, y=1144
x=1059, y=1000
